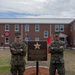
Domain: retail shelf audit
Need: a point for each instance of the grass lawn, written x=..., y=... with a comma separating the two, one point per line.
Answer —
x=4, y=62
x=4, y=70
x=69, y=57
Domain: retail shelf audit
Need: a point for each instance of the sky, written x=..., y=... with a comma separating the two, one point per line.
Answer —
x=37, y=8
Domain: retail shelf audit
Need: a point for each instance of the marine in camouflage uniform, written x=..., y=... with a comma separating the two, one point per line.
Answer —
x=18, y=53
x=56, y=49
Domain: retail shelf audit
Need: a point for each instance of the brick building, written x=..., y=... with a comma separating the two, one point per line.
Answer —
x=37, y=29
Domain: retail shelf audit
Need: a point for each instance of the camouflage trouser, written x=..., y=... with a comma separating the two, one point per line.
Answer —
x=17, y=69
x=57, y=66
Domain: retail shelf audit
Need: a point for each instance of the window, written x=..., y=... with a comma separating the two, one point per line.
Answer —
x=56, y=28
x=70, y=28
x=45, y=34
x=16, y=27
x=6, y=27
x=74, y=26
x=74, y=41
x=26, y=27
x=37, y=27
x=26, y=38
x=61, y=28
x=6, y=40
x=70, y=40
x=36, y=39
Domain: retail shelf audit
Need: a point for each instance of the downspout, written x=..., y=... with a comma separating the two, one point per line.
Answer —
x=22, y=31
x=50, y=30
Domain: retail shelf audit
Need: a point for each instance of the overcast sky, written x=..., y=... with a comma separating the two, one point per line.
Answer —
x=37, y=8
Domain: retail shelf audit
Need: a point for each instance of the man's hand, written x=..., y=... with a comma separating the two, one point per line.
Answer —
x=61, y=47
x=21, y=49
x=12, y=49
x=51, y=47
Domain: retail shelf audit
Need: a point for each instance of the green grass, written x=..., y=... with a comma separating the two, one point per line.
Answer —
x=4, y=61
x=69, y=57
x=4, y=70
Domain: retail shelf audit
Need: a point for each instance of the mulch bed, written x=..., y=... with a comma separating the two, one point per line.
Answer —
x=32, y=71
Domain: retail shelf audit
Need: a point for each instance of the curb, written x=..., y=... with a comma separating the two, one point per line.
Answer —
x=35, y=66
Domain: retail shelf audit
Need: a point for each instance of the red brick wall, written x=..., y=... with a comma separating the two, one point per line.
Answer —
x=72, y=33
x=33, y=34
x=11, y=31
x=2, y=30
x=52, y=29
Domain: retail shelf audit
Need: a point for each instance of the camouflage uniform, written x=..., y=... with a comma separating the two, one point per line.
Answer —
x=57, y=62
x=18, y=52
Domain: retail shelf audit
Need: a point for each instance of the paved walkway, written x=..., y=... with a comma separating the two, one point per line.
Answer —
x=41, y=63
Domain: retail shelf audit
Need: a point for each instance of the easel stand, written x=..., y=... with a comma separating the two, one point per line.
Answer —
x=37, y=67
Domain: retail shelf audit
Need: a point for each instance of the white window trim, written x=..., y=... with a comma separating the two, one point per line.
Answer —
x=70, y=41
x=44, y=34
x=63, y=28
x=15, y=27
x=28, y=27
x=37, y=39
x=55, y=28
x=38, y=28
x=74, y=41
x=26, y=38
x=74, y=26
x=71, y=28
x=5, y=27
x=5, y=40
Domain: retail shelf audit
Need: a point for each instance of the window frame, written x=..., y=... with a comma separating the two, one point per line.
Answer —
x=74, y=26
x=56, y=27
x=37, y=26
x=45, y=34
x=5, y=40
x=71, y=41
x=6, y=27
x=27, y=27
x=16, y=27
x=36, y=38
x=70, y=28
x=74, y=40
x=60, y=28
